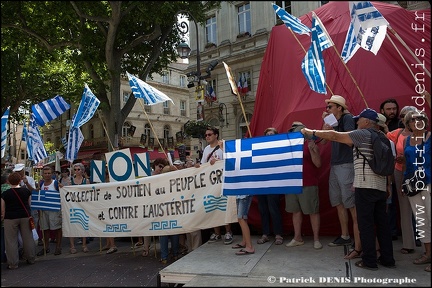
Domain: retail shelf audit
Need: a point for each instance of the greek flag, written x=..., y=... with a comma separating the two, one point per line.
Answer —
x=35, y=146
x=291, y=21
x=151, y=95
x=49, y=110
x=4, y=121
x=87, y=108
x=264, y=165
x=48, y=200
x=313, y=62
x=74, y=143
x=367, y=30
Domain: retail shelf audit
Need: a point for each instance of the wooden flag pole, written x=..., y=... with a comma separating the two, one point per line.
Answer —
x=426, y=94
x=151, y=126
x=235, y=90
x=409, y=50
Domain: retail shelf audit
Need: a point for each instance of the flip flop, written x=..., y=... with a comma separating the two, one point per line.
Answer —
x=244, y=252
x=238, y=246
x=406, y=251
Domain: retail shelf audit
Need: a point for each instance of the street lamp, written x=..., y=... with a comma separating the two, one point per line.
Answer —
x=222, y=107
x=184, y=50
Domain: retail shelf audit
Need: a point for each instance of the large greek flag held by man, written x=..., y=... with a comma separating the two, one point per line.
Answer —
x=264, y=165
x=48, y=110
x=313, y=62
x=141, y=89
x=367, y=29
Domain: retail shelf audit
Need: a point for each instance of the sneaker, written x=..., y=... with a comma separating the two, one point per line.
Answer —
x=214, y=237
x=317, y=245
x=339, y=241
x=111, y=250
x=228, y=238
x=294, y=243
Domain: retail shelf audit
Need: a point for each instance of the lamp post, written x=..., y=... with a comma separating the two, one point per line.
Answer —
x=223, y=106
x=184, y=50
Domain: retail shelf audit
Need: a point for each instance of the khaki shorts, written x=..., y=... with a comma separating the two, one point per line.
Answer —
x=50, y=220
x=307, y=202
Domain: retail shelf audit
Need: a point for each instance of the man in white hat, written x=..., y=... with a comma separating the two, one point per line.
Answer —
x=341, y=170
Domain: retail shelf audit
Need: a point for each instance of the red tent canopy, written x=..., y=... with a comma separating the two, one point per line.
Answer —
x=283, y=95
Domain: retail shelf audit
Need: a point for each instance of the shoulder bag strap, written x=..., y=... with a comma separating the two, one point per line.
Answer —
x=208, y=157
x=21, y=202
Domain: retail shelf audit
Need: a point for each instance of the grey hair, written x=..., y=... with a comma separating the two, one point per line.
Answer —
x=80, y=165
x=406, y=109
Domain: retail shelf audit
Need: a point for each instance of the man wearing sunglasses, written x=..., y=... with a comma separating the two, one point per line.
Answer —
x=341, y=170
x=212, y=153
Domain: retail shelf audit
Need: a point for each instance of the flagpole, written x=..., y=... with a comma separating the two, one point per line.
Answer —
x=409, y=50
x=304, y=50
x=427, y=95
x=151, y=126
x=235, y=90
x=106, y=132
x=19, y=146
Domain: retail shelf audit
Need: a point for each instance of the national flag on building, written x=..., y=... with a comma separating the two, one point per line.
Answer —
x=242, y=85
x=48, y=110
x=4, y=120
x=74, y=143
x=87, y=108
x=264, y=165
x=35, y=146
x=367, y=29
x=291, y=21
x=141, y=89
x=47, y=200
x=210, y=94
x=313, y=62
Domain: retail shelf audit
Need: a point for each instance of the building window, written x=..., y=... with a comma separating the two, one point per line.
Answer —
x=22, y=154
x=166, y=109
x=286, y=5
x=166, y=132
x=244, y=18
x=147, y=130
x=211, y=30
x=183, y=108
x=183, y=81
x=125, y=129
x=244, y=83
x=147, y=107
x=165, y=77
x=125, y=96
x=243, y=125
x=91, y=131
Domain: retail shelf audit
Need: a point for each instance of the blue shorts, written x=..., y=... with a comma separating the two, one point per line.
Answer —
x=243, y=205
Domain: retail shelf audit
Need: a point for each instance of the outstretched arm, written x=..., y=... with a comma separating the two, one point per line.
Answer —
x=341, y=137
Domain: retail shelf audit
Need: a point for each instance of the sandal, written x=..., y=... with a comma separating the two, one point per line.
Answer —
x=422, y=260
x=360, y=264
x=145, y=253
x=428, y=268
x=263, y=239
x=353, y=254
x=279, y=240
x=85, y=249
x=73, y=250
x=238, y=246
x=406, y=251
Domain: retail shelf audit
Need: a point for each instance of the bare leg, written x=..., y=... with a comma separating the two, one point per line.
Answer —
x=315, y=223
x=297, y=219
x=246, y=237
x=343, y=219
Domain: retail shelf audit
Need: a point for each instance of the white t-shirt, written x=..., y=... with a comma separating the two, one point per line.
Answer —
x=218, y=154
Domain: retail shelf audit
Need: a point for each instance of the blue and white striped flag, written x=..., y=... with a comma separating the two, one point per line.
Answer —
x=291, y=21
x=313, y=62
x=4, y=121
x=48, y=110
x=74, y=143
x=264, y=165
x=48, y=200
x=87, y=108
x=35, y=145
x=141, y=89
x=367, y=29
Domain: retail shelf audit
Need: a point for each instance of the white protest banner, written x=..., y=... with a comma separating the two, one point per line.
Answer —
x=171, y=203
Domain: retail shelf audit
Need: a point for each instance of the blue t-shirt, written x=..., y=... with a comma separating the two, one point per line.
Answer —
x=411, y=154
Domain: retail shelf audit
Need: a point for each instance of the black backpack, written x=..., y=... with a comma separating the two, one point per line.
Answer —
x=383, y=161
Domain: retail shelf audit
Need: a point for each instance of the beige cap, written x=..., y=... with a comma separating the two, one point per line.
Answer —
x=381, y=120
x=296, y=126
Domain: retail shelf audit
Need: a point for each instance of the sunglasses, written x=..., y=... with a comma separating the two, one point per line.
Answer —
x=417, y=119
x=208, y=135
x=77, y=169
x=329, y=106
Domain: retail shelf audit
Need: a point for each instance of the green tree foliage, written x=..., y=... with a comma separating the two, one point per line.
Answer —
x=93, y=42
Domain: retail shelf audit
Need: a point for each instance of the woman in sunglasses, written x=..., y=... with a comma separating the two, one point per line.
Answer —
x=78, y=179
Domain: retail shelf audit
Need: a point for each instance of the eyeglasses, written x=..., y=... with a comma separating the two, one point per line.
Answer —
x=329, y=106
x=417, y=119
x=208, y=135
x=77, y=169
